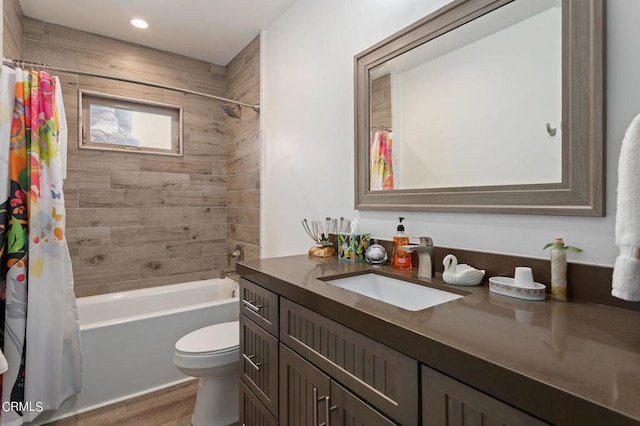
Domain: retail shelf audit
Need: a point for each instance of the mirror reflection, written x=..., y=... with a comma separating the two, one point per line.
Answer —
x=478, y=106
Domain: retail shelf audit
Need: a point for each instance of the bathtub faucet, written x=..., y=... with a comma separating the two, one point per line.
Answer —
x=237, y=254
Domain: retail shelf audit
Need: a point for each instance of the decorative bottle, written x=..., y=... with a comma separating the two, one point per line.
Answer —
x=558, y=270
x=559, y=267
x=400, y=259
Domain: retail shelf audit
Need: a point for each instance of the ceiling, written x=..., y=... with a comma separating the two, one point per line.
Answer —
x=210, y=30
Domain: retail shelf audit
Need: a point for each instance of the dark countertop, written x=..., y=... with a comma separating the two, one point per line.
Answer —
x=571, y=363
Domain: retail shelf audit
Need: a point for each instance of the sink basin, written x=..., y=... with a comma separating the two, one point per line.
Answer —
x=406, y=295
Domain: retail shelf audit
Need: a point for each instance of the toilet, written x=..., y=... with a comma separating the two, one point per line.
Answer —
x=211, y=354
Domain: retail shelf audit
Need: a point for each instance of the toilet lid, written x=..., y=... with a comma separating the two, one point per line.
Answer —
x=221, y=337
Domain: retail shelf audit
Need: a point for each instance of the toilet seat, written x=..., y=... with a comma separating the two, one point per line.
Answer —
x=209, y=340
x=213, y=346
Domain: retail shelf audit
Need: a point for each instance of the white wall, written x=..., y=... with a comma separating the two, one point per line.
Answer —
x=308, y=133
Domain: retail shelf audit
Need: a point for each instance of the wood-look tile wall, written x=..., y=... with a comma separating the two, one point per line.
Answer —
x=243, y=153
x=381, y=114
x=140, y=220
x=12, y=29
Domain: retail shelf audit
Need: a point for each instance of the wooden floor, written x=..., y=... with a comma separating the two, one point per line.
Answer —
x=169, y=407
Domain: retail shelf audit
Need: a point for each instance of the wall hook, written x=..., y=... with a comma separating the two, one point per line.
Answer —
x=551, y=131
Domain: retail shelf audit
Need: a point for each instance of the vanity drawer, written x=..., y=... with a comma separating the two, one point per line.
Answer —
x=260, y=305
x=252, y=412
x=384, y=377
x=259, y=363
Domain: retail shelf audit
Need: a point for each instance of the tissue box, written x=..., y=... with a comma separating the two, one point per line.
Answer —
x=351, y=247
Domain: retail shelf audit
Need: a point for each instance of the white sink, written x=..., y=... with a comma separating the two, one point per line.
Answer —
x=406, y=295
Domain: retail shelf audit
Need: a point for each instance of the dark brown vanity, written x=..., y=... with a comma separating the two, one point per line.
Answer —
x=315, y=354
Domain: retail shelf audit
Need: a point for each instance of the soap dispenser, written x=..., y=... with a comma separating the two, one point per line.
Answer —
x=400, y=259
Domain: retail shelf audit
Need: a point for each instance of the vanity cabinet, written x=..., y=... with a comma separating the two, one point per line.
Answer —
x=310, y=397
x=258, y=350
x=301, y=368
x=303, y=389
x=351, y=373
x=384, y=377
x=448, y=402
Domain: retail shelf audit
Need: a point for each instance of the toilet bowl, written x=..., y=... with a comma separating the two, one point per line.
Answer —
x=211, y=354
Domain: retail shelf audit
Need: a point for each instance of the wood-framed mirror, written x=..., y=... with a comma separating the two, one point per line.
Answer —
x=554, y=69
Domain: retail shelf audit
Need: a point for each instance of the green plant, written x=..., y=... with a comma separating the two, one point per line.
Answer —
x=558, y=243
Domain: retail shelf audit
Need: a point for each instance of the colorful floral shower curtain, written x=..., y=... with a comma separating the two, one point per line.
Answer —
x=381, y=161
x=40, y=333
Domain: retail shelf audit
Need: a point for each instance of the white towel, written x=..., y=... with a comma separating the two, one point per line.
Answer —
x=63, y=131
x=3, y=363
x=626, y=271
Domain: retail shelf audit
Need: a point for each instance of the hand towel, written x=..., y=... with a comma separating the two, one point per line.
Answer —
x=626, y=271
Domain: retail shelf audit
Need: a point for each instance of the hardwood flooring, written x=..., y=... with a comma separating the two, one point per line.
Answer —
x=168, y=407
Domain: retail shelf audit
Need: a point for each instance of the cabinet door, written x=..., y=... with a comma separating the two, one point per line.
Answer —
x=448, y=402
x=348, y=409
x=303, y=391
x=252, y=412
x=259, y=362
x=384, y=377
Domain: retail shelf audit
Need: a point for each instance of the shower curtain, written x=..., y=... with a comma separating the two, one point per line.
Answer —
x=39, y=331
x=381, y=161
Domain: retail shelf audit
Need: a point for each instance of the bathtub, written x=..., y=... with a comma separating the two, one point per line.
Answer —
x=128, y=339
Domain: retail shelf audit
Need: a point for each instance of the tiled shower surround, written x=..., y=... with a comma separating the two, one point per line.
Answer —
x=142, y=220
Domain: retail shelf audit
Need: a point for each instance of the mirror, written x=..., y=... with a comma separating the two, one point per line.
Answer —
x=116, y=123
x=485, y=106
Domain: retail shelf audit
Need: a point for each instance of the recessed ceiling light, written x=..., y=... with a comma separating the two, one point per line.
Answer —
x=139, y=23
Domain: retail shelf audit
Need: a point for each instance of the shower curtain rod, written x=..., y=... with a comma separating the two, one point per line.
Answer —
x=29, y=64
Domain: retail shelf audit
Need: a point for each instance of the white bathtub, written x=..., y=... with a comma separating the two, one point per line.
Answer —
x=128, y=338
